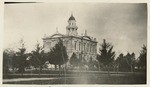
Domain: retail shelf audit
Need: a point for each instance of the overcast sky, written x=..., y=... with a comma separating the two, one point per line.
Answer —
x=123, y=25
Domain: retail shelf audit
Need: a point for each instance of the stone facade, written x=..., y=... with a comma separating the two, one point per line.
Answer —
x=84, y=46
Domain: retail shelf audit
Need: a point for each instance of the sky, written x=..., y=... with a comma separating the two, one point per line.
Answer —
x=124, y=25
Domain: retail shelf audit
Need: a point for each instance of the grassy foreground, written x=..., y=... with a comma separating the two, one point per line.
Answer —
x=77, y=78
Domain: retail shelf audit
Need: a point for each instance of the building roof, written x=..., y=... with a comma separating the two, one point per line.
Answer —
x=58, y=35
x=71, y=17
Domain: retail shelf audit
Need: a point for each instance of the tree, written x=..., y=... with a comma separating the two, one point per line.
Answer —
x=132, y=61
x=14, y=62
x=58, y=54
x=74, y=60
x=106, y=56
x=10, y=60
x=91, y=64
x=82, y=62
x=126, y=63
x=38, y=57
x=142, y=58
x=21, y=58
x=120, y=62
x=5, y=62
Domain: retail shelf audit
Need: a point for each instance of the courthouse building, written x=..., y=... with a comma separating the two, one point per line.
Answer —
x=83, y=45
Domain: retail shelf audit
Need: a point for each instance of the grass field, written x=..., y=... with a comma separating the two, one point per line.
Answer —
x=77, y=78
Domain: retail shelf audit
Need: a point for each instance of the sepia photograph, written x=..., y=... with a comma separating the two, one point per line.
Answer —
x=75, y=43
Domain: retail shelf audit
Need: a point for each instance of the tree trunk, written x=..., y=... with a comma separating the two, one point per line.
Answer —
x=108, y=69
x=13, y=70
x=98, y=66
x=59, y=67
x=39, y=70
x=51, y=67
x=22, y=70
x=117, y=69
x=55, y=67
x=131, y=67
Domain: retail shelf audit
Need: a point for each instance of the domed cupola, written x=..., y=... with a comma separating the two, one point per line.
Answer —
x=71, y=17
x=71, y=29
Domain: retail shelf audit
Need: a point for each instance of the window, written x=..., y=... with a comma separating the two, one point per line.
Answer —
x=93, y=49
x=84, y=47
x=66, y=43
x=75, y=45
x=79, y=46
x=87, y=47
x=90, y=48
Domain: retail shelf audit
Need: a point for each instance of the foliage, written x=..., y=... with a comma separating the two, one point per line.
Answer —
x=91, y=64
x=38, y=57
x=142, y=58
x=106, y=56
x=126, y=63
x=58, y=54
x=5, y=62
x=21, y=58
x=74, y=60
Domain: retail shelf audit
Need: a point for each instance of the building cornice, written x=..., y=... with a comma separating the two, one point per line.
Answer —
x=66, y=36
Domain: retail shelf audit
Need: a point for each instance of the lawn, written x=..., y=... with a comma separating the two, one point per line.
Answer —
x=77, y=78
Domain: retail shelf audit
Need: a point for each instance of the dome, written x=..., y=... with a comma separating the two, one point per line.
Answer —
x=71, y=18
